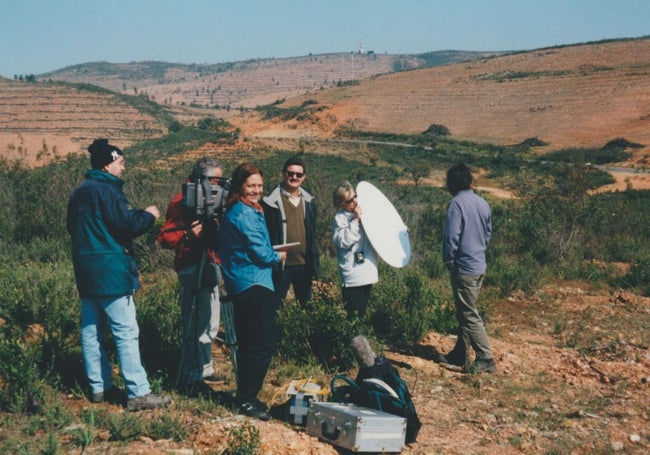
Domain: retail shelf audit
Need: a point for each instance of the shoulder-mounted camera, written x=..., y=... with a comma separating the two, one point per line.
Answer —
x=205, y=199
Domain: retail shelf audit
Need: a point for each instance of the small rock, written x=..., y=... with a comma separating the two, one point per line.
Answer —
x=635, y=438
x=617, y=446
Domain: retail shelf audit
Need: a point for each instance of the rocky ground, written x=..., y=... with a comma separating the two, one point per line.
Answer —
x=573, y=377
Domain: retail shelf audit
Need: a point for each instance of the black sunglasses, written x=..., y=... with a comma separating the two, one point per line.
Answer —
x=295, y=174
x=351, y=200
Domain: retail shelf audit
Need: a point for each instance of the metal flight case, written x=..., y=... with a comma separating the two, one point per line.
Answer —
x=356, y=428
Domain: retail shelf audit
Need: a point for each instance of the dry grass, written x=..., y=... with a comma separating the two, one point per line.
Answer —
x=578, y=96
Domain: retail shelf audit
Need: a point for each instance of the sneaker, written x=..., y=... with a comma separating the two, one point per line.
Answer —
x=482, y=366
x=149, y=401
x=112, y=396
x=254, y=408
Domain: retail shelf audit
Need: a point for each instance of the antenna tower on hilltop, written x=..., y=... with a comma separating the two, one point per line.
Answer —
x=362, y=50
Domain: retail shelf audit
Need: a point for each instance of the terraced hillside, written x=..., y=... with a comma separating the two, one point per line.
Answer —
x=573, y=96
x=247, y=83
x=39, y=121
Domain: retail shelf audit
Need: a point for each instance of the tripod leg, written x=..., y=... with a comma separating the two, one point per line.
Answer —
x=186, y=338
x=228, y=321
x=191, y=320
x=209, y=327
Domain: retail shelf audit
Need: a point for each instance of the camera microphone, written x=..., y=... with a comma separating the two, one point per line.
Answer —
x=363, y=352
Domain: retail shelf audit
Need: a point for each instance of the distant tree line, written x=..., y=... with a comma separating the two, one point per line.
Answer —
x=25, y=78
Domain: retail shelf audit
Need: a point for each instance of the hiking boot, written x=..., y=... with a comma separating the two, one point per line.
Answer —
x=452, y=359
x=215, y=377
x=148, y=401
x=254, y=408
x=200, y=389
x=482, y=366
x=112, y=396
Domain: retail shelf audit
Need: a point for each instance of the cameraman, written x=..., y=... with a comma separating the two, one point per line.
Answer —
x=194, y=238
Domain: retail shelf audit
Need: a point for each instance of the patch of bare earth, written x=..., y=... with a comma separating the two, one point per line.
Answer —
x=627, y=181
x=40, y=122
x=574, y=96
x=573, y=377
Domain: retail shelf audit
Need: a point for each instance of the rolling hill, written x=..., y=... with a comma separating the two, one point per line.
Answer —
x=247, y=83
x=42, y=121
x=571, y=96
x=581, y=95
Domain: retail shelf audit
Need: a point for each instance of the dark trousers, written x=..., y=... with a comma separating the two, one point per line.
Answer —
x=356, y=300
x=257, y=334
x=296, y=276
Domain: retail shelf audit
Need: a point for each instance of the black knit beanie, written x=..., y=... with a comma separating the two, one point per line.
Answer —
x=102, y=153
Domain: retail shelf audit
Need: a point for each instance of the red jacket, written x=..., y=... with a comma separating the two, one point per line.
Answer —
x=175, y=235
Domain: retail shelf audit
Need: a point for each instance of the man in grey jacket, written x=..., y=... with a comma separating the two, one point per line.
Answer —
x=290, y=213
x=468, y=228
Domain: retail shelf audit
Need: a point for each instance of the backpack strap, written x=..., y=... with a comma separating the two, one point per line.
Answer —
x=348, y=393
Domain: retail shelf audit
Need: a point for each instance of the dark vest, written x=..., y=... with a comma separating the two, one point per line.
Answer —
x=295, y=232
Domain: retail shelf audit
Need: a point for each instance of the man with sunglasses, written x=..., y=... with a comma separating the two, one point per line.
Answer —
x=290, y=213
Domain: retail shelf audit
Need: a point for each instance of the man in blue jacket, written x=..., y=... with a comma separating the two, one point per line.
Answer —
x=102, y=225
x=468, y=228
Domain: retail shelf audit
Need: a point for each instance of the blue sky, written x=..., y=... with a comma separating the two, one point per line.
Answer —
x=37, y=36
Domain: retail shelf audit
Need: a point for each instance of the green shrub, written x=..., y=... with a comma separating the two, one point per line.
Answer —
x=127, y=426
x=317, y=332
x=509, y=274
x=404, y=307
x=167, y=426
x=84, y=436
x=40, y=298
x=639, y=275
x=550, y=229
x=23, y=388
x=159, y=319
x=243, y=439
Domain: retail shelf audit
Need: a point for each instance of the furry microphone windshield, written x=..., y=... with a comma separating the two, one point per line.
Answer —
x=363, y=352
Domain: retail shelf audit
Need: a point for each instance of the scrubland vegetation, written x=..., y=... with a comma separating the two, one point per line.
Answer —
x=552, y=231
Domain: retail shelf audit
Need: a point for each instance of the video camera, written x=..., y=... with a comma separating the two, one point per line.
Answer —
x=205, y=200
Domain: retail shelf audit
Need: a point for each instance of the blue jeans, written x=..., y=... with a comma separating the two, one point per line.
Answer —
x=119, y=313
x=294, y=275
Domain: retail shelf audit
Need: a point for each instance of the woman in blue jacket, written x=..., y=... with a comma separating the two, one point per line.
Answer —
x=247, y=260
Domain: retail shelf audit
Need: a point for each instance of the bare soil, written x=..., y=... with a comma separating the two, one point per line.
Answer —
x=574, y=96
x=573, y=377
x=40, y=122
x=573, y=360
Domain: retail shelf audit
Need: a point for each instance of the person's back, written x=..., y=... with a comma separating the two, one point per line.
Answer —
x=467, y=232
x=102, y=224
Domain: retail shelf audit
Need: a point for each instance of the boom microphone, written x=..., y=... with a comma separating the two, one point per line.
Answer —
x=363, y=352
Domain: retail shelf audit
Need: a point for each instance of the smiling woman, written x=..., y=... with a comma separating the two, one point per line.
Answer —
x=247, y=260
